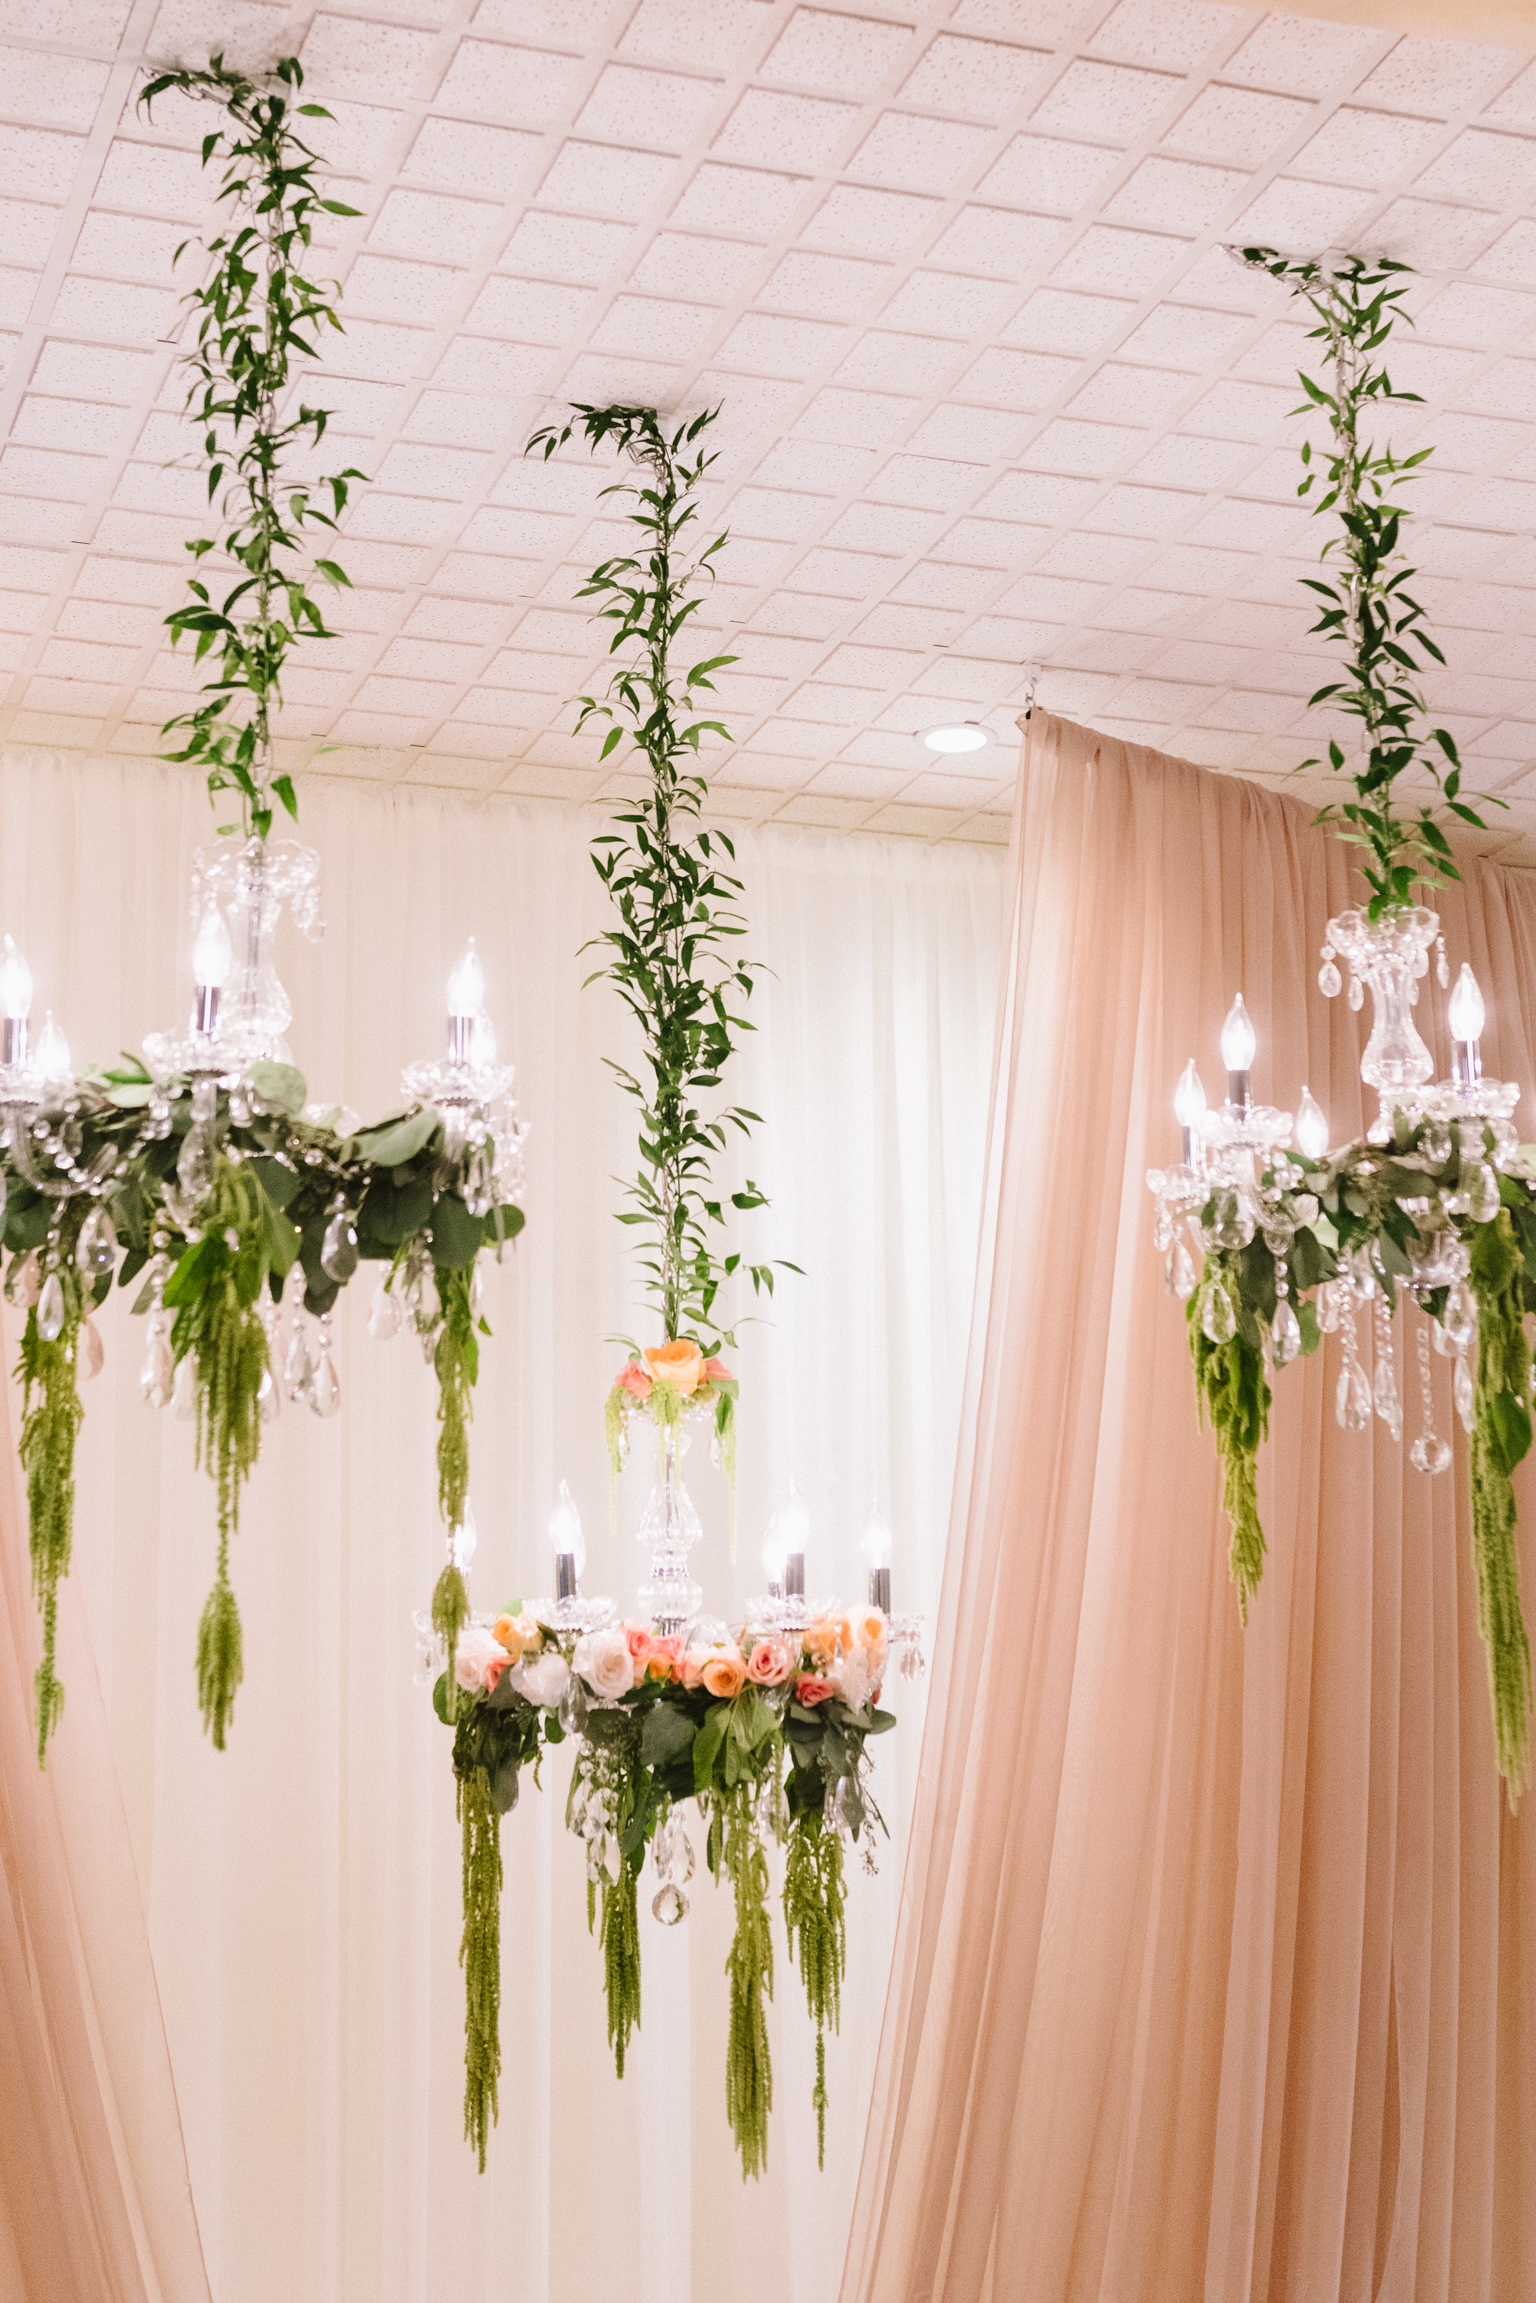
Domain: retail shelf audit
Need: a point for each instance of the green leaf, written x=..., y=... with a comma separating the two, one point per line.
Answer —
x=707, y=1745
x=280, y=1087
x=667, y=1735
x=457, y=1236
x=391, y=1143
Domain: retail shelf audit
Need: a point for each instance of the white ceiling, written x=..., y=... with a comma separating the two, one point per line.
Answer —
x=993, y=393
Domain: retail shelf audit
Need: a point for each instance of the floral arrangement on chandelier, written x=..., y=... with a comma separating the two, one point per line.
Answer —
x=202, y=1174
x=1436, y=1207
x=763, y=1725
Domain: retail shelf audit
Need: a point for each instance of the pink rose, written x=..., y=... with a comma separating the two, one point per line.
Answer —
x=692, y=1669
x=633, y=1379
x=768, y=1665
x=638, y=1638
x=666, y=1657
x=494, y=1670
x=809, y=1690
x=715, y=1371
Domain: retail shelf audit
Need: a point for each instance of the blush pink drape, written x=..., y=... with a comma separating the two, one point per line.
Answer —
x=95, y=2205
x=1216, y=1974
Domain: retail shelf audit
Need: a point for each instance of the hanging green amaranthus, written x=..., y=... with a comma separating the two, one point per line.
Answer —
x=1233, y=1393
x=480, y=1956
x=1501, y=1438
x=51, y=1418
x=749, y=1966
x=815, y=1899
x=456, y=1358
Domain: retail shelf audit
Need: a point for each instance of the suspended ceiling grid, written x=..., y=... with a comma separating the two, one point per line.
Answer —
x=993, y=394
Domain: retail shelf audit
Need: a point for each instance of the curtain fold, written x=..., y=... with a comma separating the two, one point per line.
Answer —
x=1216, y=1958
x=95, y=2205
x=303, y=1888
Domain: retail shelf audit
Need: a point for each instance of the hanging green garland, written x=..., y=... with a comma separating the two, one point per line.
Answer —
x=51, y=1418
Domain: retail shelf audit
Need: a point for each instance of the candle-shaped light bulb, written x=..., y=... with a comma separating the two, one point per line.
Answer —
x=570, y=1545
x=1311, y=1126
x=466, y=983
x=1189, y=1097
x=482, y=1043
x=794, y=1528
x=875, y=1544
x=773, y=1554
x=213, y=954
x=52, y=1059
x=15, y=984
x=16, y=1001
x=463, y=1539
x=1238, y=1038
x=1467, y=1012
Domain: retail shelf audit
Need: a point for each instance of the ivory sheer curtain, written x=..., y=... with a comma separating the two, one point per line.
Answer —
x=1217, y=1966
x=302, y=1891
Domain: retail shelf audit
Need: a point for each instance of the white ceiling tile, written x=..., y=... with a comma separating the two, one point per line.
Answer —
x=984, y=79
x=1137, y=609
x=797, y=739
x=1291, y=214
x=37, y=164
x=1050, y=499
x=135, y=178
x=947, y=303
x=845, y=55
x=382, y=518
x=745, y=200
x=999, y=240
x=597, y=378
x=785, y=131
x=1177, y=34
x=686, y=264
x=1304, y=56
x=666, y=108
x=1100, y=558
x=778, y=347
x=1045, y=172
x=648, y=325
x=919, y=363
x=1149, y=513
x=17, y=290
x=1184, y=193
x=47, y=423
x=1234, y=411
x=1052, y=321
x=808, y=464
x=888, y=626
x=983, y=435
x=478, y=363
x=492, y=163
x=537, y=310
x=845, y=779
x=798, y=614
x=1356, y=146
x=1183, y=336
x=1467, y=314
x=1440, y=76
x=857, y=665
x=1430, y=235
x=937, y=483
x=1095, y=449
x=720, y=33
x=850, y=575
x=1111, y=652
x=365, y=59
x=921, y=155
x=436, y=225
x=1051, y=600
x=1106, y=101
x=822, y=286
x=385, y=288
x=1176, y=462
x=1119, y=261
x=1120, y=394
x=859, y=418
x=1497, y=170
x=113, y=308
x=51, y=91
x=127, y=248
x=1512, y=256
x=1240, y=124
x=832, y=705
x=379, y=350
x=575, y=248
x=44, y=473
x=1026, y=380
x=423, y=470
x=882, y=528
x=870, y=223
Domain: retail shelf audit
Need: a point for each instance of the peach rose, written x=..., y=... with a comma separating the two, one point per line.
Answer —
x=691, y=1670
x=680, y=1364
x=869, y=1627
x=633, y=1379
x=724, y=1674
x=517, y=1633
x=821, y=1641
x=665, y=1659
x=638, y=1637
x=809, y=1689
x=767, y=1665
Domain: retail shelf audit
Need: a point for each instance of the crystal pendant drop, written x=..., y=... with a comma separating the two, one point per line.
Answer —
x=572, y=1709
x=184, y=1389
x=325, y=1385
x=1162, y=1231
x=50, y=1309
x=96, y=1248
x=1388, y=1405
x=384, y=1313
x=1356, y=994
x=92, y=1351
x=196, y=1164
x=298, y=1373
x=1458, y=1320
x=1353, y=1401
x=157, y=1374
x=1218, y=1321
x=1284, y=1333
x=1329, y=982
x=1442, y=967
x=476, y=1287
x=1181, y=1272
x=1463, y=1393
x=1482, y=1189
x=1330, y=1311
x=269, y=1397
x=338, y=1249
x=669, y=1906
x=1430, y=1454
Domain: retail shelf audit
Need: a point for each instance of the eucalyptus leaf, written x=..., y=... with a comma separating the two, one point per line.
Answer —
x=393, y=1142
x=281, y=1088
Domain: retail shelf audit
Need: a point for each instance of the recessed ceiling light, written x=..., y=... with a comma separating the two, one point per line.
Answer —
x=958, y=736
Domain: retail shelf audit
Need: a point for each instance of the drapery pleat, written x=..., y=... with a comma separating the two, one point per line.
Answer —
x=1216, y=1971
x=95, y=2205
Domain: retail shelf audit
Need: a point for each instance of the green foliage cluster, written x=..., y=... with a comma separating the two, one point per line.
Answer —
x=259, y=317
x=278, y=1178
x=1367, y=610
x=672, y=952
x=656, y=1749
x=1385, y=1212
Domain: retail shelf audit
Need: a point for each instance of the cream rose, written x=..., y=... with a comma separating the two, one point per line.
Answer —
x=543, y=1679
x=476, y=1651
x=603, y=1660
x=850, y=1679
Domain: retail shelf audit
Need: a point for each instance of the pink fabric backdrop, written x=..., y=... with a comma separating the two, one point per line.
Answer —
x=1217, y=1967
x=95, y=2206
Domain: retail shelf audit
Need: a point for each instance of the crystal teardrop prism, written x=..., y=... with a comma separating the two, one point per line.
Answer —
x=93, y=1352
x=1463, y=1393
x=325, y=1385
x=338, y=1249
x=1218, y=1321
x=1353, y=1400
x=1458, y=1322
x=1430, y=1454
x=184, y=1389
x=96, y=1248
x=1181, y=1274
x=1356, y=994
x=196, y=1164
x=1284, y=1333
x=669, y=1905
x=1329, y=982
x=298, y=1373
x=269, y=1397
x=1482, y=1189
x=384, y=1313
x=157, y=1374
x=50, y=1309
